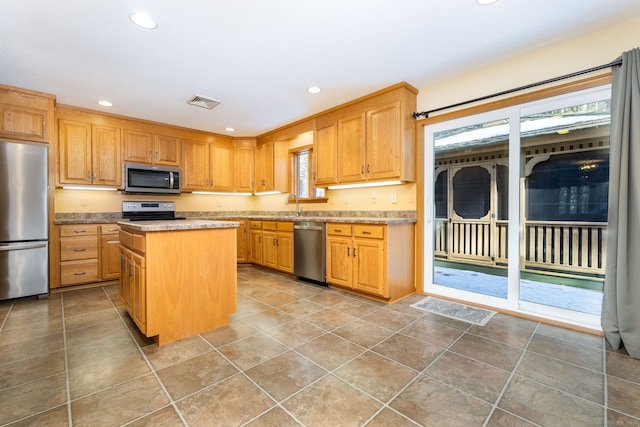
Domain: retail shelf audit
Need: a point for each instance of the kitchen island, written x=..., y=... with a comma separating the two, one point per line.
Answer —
x=178, y=278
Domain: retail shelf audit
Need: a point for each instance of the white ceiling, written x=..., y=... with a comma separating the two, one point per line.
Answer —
x=259, y=56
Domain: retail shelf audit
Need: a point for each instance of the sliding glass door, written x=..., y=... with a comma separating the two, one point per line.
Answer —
x=516, y=206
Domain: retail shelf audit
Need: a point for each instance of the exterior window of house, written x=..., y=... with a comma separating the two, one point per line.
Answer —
x=302, y=162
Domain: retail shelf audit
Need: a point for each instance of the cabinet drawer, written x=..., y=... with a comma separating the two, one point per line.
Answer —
x=285, y=226
x=338, y=229
x=84, y=271
x=370, y=231
x=72, y=248
x=133, y=241
x=269, y=225
x=78, y=230
x=109, y=229
x=255, y=225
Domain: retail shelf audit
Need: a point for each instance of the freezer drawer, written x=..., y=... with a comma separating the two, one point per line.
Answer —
x=24, y=269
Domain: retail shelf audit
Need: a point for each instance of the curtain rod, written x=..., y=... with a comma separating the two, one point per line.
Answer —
x=554, y=79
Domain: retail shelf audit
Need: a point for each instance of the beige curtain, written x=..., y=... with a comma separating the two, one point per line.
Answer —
x=621, y=303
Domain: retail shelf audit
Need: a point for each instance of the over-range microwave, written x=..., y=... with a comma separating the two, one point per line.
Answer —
x=141, y=179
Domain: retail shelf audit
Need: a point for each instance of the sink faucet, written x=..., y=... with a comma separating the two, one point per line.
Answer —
x=295, y=196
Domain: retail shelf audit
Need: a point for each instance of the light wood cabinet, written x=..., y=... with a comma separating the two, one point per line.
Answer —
x=149, y=148
x=264, y=167
x=375, y=139
x=88, y=253
x=376, y=260
x=325, y=154
x=178, y=283
x=272, y=244
x=89, y=154
x=255, y=242
x=245, y=161
x=109, y=252
x=207, y=166
x=25, y=115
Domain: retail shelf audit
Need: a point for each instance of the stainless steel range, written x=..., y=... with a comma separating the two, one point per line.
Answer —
x=149, y=211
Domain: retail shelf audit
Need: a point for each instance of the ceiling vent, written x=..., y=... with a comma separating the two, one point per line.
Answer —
x=203, y=102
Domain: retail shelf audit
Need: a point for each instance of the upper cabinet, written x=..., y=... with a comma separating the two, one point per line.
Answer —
x=89, y=154
x=245, y=160
x=150, y=148
x=369, y=139
x=264, y=167
x=25, y=115
x=208, y=166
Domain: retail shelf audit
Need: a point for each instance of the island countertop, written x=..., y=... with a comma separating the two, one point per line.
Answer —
x=176, y=225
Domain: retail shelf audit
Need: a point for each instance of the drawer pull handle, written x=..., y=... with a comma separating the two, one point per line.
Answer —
x=79, y=249
x=348, y=251
x=80, y=273
x=366, y=232
x=113, y=241
x=113, y=229
x=337, y=231
x=79, y=231
x=354, y=252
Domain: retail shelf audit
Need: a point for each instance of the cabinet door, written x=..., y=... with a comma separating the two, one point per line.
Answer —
x=242, y=242
x=167, y=150
x=138, y=146
x=23, y=123
x=109, y=257
x=351, y=148
x=195, y=165
x=138, y=290
x=125, y=280
x=245, y=160
x=285, y=252
x=256, y=246
x=339, y=262
x=269, y=249
x=74, y=142
x=325, y=151
x=264, y=167
x=369, y=266
x=221, y=162
x=383, y=147
x=106, y=156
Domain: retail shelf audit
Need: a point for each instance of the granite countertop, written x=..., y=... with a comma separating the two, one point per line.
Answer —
x=340, y=219
x=175, y=225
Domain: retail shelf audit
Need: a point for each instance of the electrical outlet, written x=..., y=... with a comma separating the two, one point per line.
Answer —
x=83, y=202
x=394, y=198
x=373, y=195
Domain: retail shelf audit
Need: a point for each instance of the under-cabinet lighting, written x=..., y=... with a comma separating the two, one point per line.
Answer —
x=218, y=193
x=266, y=193
x=364, y=185
x=76, y=187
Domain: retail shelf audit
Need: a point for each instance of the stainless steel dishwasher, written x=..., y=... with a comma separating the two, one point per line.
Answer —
x=309, y=250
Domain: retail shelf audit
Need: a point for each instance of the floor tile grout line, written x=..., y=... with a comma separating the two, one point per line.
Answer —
x=66, y=361
x=511, y=376
x=6, y=317
x=149, y=364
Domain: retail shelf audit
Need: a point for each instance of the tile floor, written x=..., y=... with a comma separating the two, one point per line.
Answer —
x=299, y=354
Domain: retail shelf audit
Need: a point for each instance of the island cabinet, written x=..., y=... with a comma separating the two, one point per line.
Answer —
x=178, y=278
x=376, y=260
x=89, y=154
x=369, y=139
x=25, y=114
x=242, y=242
x=208, y=166
x=150, y=148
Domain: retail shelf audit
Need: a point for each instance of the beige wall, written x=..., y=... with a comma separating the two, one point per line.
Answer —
x=593, y=49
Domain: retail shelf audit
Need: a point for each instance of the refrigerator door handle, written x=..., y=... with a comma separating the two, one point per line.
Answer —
x=20, y=246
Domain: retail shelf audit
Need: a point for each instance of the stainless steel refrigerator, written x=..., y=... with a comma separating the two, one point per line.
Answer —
x=24, y=245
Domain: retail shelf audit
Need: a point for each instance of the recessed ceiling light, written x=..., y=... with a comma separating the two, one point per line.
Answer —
x=314, y=89
x=229, y=129
x=143, y=21
x=105, y=103
x=485, y=2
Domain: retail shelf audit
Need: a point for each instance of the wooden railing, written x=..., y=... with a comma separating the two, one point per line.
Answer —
x=550, y=246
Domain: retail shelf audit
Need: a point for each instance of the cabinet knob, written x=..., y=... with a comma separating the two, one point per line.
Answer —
x=150, y=155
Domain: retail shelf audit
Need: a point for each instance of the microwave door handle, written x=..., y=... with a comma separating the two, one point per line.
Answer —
x=170, y=179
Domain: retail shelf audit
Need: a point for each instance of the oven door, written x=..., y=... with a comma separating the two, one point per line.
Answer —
x=141, y=179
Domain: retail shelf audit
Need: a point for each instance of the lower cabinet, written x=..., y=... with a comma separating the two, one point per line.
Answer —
x=272, y=244
x=88, y=253
x=133, y=287
x=359, y=258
